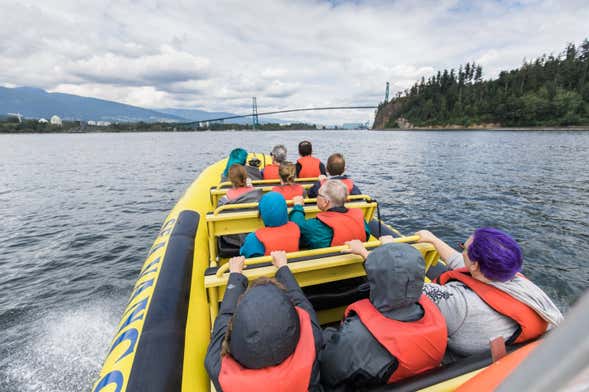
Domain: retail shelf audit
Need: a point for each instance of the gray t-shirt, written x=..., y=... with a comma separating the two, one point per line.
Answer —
x=471, y=322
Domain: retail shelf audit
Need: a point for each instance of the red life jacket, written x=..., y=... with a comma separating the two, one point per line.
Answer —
x=271, y=171
x=348, y=182
x=530, y=323
x=234, y=193
x=285, y=237
x=289, y=191
x=417, y=345
x=346, y=226
x=310, y=167
x=293, y=374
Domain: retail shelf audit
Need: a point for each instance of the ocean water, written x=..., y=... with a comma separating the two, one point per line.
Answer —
x=79, y=212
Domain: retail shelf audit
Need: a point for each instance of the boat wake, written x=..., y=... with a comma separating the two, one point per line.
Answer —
x=64, y=351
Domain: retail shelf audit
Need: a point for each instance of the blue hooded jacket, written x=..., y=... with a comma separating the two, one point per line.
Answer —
x=274, y=213
x=238, y=155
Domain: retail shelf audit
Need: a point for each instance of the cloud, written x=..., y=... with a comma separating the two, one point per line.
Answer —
x=167, y=67
x=217, y=55
x=278, y=89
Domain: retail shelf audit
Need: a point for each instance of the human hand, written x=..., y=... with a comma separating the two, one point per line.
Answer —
x=322, y=177
x=386, y=239
x=298, y=200
x=236, y=264
x=426, y=236
x=357, y=248
x=248, y=182
x=279, y=258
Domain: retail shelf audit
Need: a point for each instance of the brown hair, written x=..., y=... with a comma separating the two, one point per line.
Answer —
x=336, y=164
x=305, y=148
x=287, y=172
x=258, y=282
x=237, y=175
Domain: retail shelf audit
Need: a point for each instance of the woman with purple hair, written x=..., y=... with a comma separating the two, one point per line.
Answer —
x=484, y=296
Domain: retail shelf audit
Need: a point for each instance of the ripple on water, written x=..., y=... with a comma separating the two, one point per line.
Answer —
x=77, y=227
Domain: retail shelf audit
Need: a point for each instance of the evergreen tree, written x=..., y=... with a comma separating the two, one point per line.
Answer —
x=550, y=90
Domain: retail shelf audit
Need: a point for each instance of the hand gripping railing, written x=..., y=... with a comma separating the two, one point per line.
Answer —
x=314, y=252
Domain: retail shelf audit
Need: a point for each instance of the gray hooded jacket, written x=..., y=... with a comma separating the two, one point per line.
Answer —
x=352, y=357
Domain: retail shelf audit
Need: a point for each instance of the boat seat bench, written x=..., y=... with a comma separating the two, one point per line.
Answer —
x=310, y=268
x=245, y=218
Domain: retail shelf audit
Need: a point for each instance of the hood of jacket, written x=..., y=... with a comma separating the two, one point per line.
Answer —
x=265, y=328
x=273, y=209
x=239, y=156
x=395, y=275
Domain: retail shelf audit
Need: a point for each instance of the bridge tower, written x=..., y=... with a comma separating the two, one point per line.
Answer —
x=255, y=120
x=386, y=94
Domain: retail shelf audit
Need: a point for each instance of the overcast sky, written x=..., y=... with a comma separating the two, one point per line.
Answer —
x=216, y=55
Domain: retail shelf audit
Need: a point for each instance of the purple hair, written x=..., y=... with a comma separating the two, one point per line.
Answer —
x=498, y=255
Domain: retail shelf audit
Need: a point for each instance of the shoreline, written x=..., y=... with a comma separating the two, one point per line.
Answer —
x=415, y=129
x=466, y=129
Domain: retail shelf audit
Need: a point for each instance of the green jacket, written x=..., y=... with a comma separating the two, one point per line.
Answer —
x=314, y=233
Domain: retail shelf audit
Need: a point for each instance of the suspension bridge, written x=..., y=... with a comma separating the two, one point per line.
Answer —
x=255, y=114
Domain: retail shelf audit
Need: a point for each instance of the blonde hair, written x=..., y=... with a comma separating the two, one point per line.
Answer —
x=287, y=172
x=237, y=175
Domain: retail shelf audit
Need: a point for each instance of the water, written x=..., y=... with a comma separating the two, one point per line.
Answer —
x=78, y=214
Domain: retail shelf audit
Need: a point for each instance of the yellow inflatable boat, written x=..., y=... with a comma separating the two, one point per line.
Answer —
x=162, y=338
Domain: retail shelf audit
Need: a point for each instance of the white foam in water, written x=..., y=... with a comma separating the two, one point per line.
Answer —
x=67, y=350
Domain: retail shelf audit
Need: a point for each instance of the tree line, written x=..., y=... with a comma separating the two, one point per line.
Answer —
x=547, y=91
x=14, y=125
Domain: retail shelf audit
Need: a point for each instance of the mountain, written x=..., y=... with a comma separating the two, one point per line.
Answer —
x=34, y=102
x=37, y=103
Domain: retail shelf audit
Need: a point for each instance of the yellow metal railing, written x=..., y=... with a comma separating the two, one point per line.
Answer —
x=239, y=222
x=313, y=252
x=335, y=265
x=226, y=184
x=216, y=194
x=252, y=205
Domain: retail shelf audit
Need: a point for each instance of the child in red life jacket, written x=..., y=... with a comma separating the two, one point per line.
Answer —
x=270, y=172
x=288, y=188
x=266, y=338
x=397, y=333
x=307, y=165
x=239, y=180
x=278, y=233
x=336, y=167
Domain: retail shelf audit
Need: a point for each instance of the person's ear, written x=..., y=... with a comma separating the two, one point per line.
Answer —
x=474, y=267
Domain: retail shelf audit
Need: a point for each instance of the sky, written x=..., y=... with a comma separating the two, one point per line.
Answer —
x=216, y=55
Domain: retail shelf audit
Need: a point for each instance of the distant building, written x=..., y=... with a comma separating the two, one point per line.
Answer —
x=355, y=126
x=91, y=122
x=56, y=120
x=103, y=123
x=43, y=121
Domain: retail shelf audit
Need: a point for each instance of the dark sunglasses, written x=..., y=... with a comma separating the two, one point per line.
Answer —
x=461, y=245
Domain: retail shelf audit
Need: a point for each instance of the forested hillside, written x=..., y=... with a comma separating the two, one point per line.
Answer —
x=547, y=91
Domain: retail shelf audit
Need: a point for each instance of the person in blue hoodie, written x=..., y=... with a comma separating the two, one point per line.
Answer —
x=239, y=156
x=278, y=233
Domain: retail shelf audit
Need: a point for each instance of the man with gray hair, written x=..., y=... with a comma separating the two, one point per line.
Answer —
x=278, y=154
x=335, y=224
